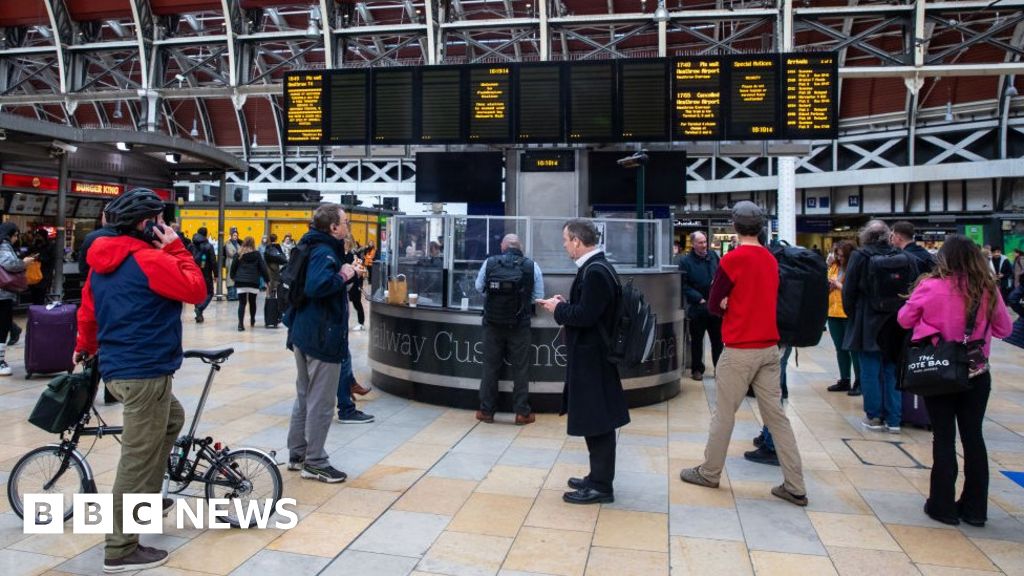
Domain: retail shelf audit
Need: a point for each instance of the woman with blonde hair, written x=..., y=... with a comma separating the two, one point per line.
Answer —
x=248, y=270
x=939, y=305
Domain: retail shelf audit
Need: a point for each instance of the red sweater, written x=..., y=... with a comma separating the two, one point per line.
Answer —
x=749, y=277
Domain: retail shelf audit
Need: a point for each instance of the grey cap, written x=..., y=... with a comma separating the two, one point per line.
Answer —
x=747, y=213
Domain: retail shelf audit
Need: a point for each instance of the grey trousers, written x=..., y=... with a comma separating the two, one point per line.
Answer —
x=315, y=385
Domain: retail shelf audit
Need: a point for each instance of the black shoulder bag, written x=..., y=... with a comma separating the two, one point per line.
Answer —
x=935, y=366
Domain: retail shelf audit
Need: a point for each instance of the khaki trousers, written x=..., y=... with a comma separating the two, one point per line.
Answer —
x=739, y=368
x=152, y=419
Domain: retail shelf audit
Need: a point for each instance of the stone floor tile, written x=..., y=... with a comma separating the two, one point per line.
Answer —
x=513, y=481
x=852, y=531
x=930, y=570
x=550, y=511
x=276, y=562
x=900, y=508
x=632, y=530
x=361, y=502
x=402, y=533
x=1008, y=556
x=90, y=562
x=352, y=562
x=465, y=465
x=700, y=522
x=18, y=563
x=560, y=473
x=940, y=547
x=546, y=551
x=221, y=551
x=415, y=455
x=492, y=514
x=66, y=545
x=619, y=562
x=460, y=554
x=704, y=557
x=321, y=534
x=640, y=492
x=783, y=564
x=778, y=527
x=861, y=562
x=444, y=496
x=388, y=478
x=528, y=456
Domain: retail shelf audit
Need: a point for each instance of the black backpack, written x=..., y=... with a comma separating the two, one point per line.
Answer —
x=631, y=341
x=508, y=284
x=802, y=305
x=889, y=277
x=293, y=275
x=203, y=255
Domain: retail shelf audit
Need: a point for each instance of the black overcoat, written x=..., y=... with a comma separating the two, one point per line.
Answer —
x=592, y=396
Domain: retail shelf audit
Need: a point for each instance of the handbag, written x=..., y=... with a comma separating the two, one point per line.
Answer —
x=398, y=290
x=34, y=272
x=13, y=281
x=65, y=400
x=935, y=366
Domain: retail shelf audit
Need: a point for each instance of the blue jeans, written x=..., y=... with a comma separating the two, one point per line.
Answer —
x=201, y=307
x=878, y=383
x=786, y=351
x=346, y=406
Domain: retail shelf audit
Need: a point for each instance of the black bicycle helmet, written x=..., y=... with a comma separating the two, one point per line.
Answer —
x=127, y=210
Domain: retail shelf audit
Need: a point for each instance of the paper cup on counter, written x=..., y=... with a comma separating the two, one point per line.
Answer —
x=465, y=304
x=414, y=299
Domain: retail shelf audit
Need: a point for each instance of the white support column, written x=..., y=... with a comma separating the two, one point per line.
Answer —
x=327, y=28
x=787, y=199
x=662, y=38
x=545, y=42
x=428, y=13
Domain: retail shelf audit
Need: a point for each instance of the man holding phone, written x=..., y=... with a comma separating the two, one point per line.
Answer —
x=131, y=316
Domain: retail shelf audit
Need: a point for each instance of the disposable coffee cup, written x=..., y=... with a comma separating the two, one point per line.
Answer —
x=385, y=295
x=465, y=304
x=413, y=300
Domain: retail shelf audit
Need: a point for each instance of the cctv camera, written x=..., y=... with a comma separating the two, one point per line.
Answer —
x=64, y=146
x=634, y=161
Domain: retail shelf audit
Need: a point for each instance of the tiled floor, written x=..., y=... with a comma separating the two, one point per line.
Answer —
x=431, y=491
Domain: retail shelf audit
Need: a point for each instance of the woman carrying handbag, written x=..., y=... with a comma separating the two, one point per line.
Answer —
x=938, y=307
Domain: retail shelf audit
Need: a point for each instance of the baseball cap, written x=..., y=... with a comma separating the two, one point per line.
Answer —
x=747, y=213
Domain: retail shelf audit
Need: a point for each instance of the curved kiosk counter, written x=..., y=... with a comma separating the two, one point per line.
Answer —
x=434, y=353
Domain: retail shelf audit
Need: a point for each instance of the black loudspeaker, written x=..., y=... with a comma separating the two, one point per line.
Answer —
x=292, y=195
x=391, y=203
x=238, y=195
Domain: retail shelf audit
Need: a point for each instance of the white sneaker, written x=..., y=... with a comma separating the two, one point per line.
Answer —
x=892, y=429
x=358, y=328
x=5, y=370
x=872, y=423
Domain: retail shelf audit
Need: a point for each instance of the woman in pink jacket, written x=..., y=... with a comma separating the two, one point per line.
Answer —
x=938, y=304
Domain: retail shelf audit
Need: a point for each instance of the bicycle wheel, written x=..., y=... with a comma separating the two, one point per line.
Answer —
x=37, y=468
x=261, y=482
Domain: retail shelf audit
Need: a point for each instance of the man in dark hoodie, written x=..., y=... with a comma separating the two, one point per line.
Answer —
x=206, y=258
x=318, y=335
x=903, y=238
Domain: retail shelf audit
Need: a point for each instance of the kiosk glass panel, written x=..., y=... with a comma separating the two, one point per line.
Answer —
x=419, y=241
x=475, y=238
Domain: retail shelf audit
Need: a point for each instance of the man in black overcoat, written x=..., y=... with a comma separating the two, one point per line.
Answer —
x=593, y=396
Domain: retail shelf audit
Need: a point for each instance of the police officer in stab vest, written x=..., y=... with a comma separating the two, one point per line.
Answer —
x=510, y=283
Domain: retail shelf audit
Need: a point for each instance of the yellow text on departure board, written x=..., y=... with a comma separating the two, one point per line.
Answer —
x=304, y=93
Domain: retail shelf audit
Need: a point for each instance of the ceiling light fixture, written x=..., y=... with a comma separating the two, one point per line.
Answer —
x=124, y=146
x=949, y=111
x=172, y=157
x=195, y=129
x=117, y=111
x=661, y=13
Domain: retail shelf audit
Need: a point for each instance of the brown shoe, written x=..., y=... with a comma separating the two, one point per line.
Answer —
x=522, y=419
x=359, y=389
x=142, y=558
x=484, y=417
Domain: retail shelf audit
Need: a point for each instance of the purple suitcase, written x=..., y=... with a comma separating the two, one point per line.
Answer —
x=50, y=335
x=914, y=411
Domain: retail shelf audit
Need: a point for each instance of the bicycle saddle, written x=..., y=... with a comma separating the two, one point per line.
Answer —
x=210, y=355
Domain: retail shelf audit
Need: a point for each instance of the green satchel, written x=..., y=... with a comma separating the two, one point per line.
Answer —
x=65, y=400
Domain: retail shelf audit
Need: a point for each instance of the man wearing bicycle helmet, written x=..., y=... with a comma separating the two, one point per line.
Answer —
x=131, y=315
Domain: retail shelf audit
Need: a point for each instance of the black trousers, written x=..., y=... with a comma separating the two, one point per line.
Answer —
x=965, y=411
x=506, y=343
x=355, y=295
x=242, y=300
x=602, y=461
x=698, y=326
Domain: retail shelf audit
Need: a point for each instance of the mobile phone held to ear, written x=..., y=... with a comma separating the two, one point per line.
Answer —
x=150, y=231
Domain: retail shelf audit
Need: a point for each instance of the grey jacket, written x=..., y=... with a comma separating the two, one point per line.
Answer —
x=10, y=261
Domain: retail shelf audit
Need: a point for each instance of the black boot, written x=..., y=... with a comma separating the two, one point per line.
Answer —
x=241, y=326
x=841, y=385
x=855, y=389
x=15, y=334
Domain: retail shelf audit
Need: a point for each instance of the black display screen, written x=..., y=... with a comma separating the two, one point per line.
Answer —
x=643, y=100
x=810, y=95
x=349, y=103
x=664, y=177
x=753, y=98
x=592, y=102
x=697, y=98
x=540, y=114
x=547, y=161
x=393, y=105
x=459, y=176
x=303, y=107
x=441, y=97
x=490, y=103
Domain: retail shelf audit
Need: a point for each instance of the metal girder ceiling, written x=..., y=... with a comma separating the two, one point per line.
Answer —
x=153, y=69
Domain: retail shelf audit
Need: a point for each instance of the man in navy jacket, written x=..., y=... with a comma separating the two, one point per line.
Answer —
x=698, y=269
x=318, y=335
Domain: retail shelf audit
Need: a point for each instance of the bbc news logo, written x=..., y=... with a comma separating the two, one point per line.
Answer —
x=143, y=514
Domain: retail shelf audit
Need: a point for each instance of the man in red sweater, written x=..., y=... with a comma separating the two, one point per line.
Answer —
x=744, y=293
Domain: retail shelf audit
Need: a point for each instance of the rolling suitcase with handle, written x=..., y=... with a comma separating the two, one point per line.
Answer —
x=50, y=335
x=272, y=311
x=914, y=411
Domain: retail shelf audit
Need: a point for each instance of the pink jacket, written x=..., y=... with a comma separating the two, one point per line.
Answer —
x=936, y=307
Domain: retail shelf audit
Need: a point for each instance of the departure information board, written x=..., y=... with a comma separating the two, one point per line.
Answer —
x=643, y=95
x=685, y=98
x=809, y=94
x=304, y=107
x=441, y=97
x=541, y=109
x=490, y=103
x=592, y=102
x=753, y=98
x=697, y=99
x=393, y=105
x=349, y=96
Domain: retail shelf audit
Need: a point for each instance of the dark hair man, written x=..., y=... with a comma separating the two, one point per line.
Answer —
x=903, y=238
x=745, y=293
x=510, y=283
x=1004, y=272
x=318, y=336
x=593, y=396
x=131, y=314
x=206, y=258
x=698, y=268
